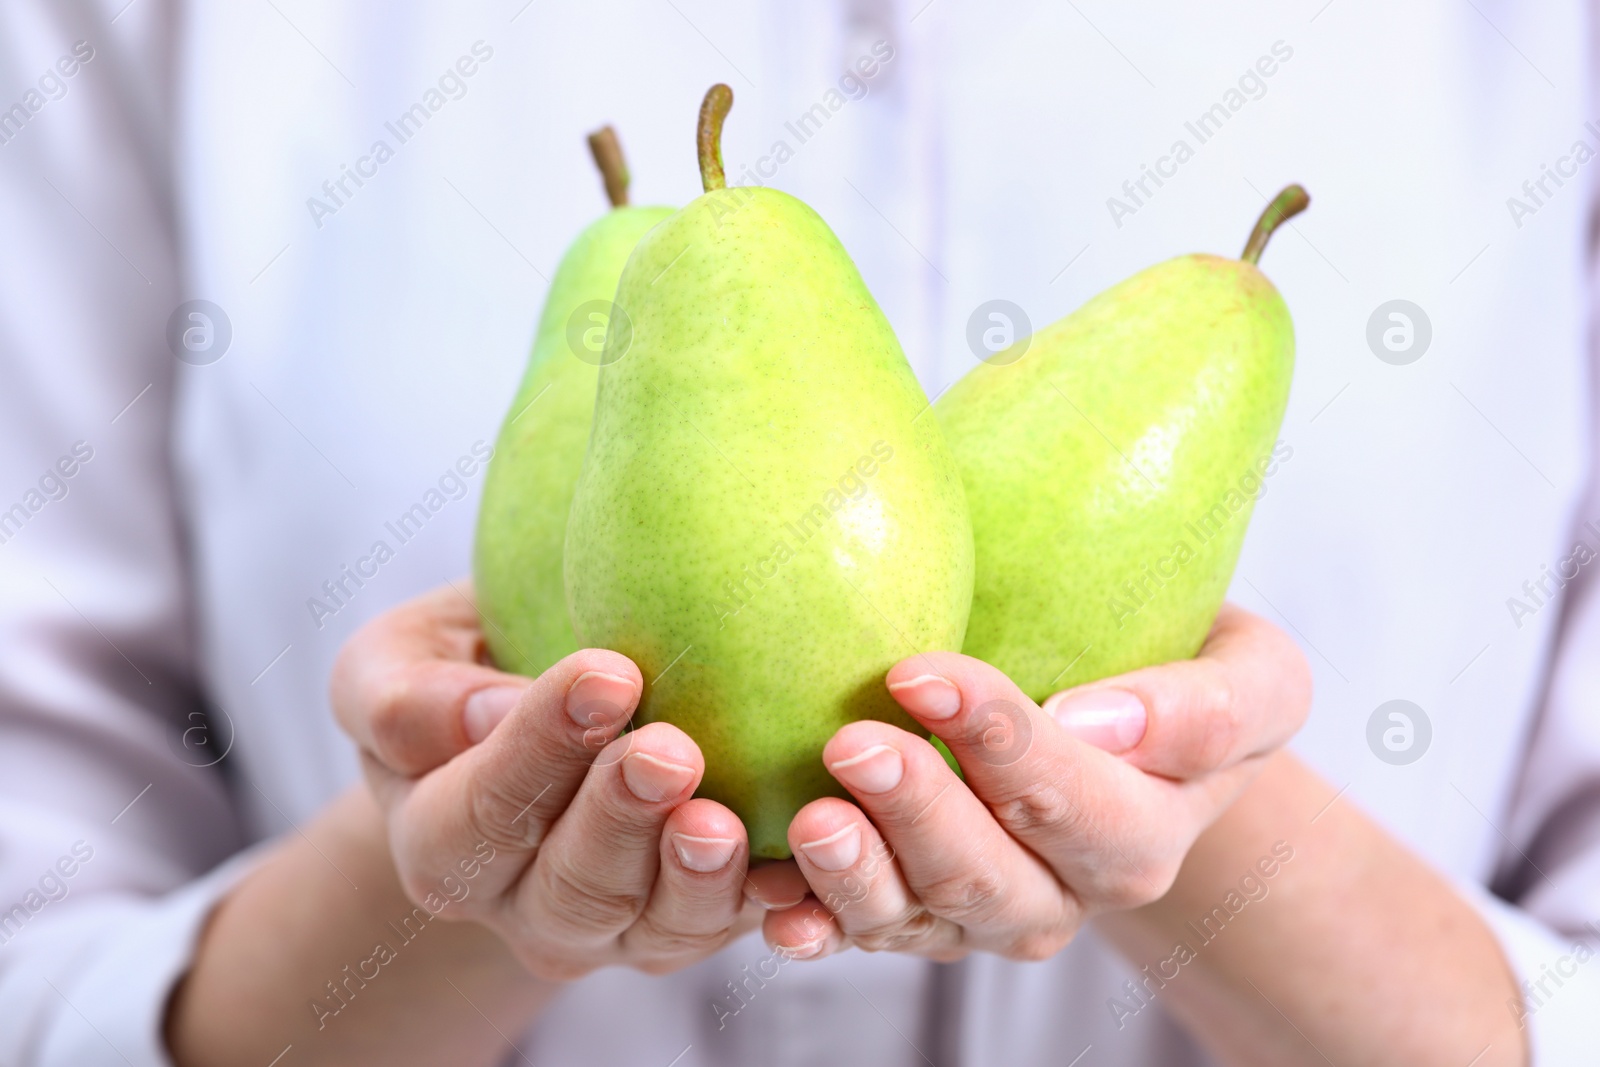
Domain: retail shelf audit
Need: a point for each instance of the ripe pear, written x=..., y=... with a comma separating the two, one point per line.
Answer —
x=764, y=523
x=522, y=521
x=1112, y=465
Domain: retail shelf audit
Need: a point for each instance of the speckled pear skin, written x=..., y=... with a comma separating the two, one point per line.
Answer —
x=764, y=523
x=1183, y=369
x=522, y=521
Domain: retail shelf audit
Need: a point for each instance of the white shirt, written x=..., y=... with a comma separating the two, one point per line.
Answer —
x=378, y=329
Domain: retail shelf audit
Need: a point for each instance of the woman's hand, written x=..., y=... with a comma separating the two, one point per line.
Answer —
x=1084, y=806
x=515, y=803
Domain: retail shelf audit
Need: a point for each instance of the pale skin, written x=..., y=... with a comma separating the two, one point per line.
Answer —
x=602, y=856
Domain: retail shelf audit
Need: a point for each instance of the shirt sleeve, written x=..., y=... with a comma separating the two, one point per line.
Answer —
x=113, y=806
x=1545, y=900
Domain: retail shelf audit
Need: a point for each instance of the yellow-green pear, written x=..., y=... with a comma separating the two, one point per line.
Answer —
x=522, y=522
x=1111, y=467
x=768, y=516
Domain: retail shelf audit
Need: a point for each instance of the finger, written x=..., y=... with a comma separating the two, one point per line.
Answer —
x=806, y=931
x=1106, y=829
x=508, y=790
x=593, y=875
x=1245, y=694
x=410, y=689
x=698, y=892
x=776, y=886
x=959, y=863
x=852, y=871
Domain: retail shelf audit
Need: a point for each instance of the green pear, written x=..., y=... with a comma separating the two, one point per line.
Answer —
x=1111, y=462
x=764, y=523
x=522, y=522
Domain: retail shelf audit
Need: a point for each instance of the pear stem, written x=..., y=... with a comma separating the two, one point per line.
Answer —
x=708, y=136
x=607, y=152
x=1285, y=206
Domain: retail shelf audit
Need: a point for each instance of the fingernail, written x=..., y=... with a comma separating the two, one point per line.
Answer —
x=599, y=699
x=486, y=707
x=836, y=851
x=875, y=770
x=654, y=780
x=806, y=951
x=771, y=905
x=1110, y=719
x=703, y=854
x=929, y=696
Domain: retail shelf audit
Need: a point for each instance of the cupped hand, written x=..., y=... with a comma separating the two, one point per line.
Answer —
x=515, y=802
x=1086, y=805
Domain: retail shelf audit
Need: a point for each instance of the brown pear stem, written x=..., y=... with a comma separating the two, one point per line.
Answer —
x=708, y=136
x=1286, y=205
x=607, y=152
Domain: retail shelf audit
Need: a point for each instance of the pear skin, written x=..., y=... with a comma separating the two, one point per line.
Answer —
x=768, y=517
x=522, y=520
x=1111, y=470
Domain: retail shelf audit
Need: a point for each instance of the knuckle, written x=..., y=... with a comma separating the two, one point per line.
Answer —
x=818, y=924
x=510, y=823
x=1043, y=808
x=967, y=897
x=1162, y=878
x=912, y=932
x=576, y=903
x=551, y=965
x=432, y=897
x=1036, y=946
x=1125, y=886
x=562, y=971
x=416, y=886
x=1125, y=894
x=664, y=950
x=660, y=966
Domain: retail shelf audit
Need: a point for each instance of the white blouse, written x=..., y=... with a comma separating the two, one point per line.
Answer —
x=370, y=202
